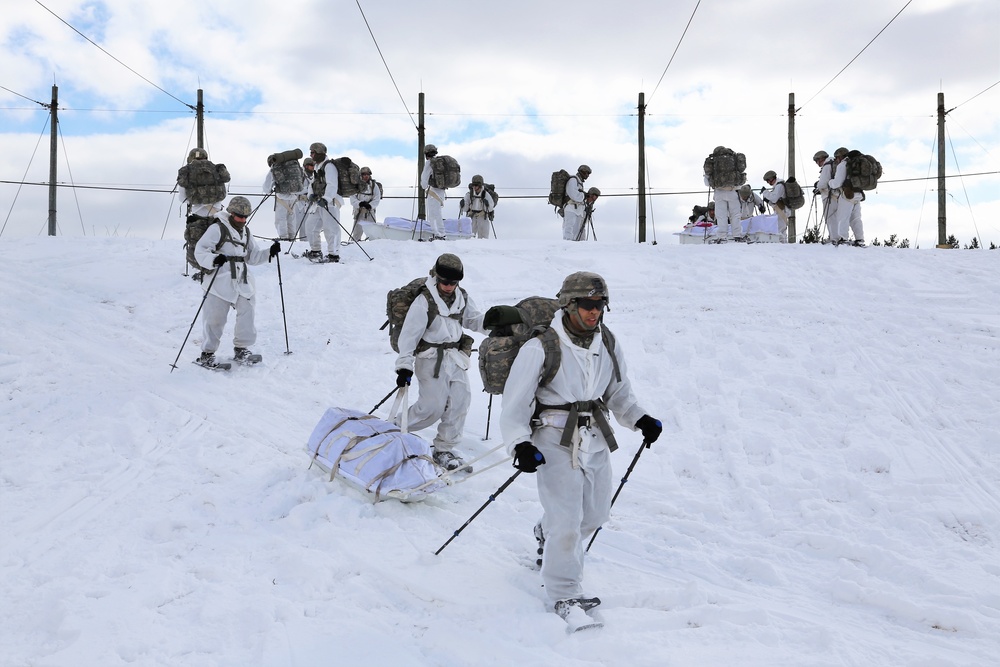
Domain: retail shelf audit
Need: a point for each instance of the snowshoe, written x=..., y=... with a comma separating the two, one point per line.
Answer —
x=245, y=357
x=314, y=256
x=207, y=360
x=333, y=258
x=579, y=613
x=450, y=461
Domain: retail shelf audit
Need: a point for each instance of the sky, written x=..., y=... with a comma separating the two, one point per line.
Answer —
x=514, y=92
x=826, y=490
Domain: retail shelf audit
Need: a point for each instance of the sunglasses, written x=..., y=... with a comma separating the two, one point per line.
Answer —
x=447, y=283
x=591, y=304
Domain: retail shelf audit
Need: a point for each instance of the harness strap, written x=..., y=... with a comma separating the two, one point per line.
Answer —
x=575, y=420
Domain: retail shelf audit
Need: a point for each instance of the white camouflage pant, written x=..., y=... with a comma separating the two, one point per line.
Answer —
x=576, y=502
x=326, y=220
x=573, y=222
x=446, y=397
x=214, y=314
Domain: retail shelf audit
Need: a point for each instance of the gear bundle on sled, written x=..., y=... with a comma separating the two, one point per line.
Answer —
x=373, y=455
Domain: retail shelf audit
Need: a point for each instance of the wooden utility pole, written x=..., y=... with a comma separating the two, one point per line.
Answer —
x=791, y=163
x=53, y=134
x=642, y=167
x=942, y=201
x=421, y=212
x=200, y=119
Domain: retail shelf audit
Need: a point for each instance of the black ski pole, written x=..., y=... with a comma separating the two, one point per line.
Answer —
x=281, y=291
x=353, y=240
x=493, y=496
x=387, y=396
x=489, y=412
x=635, y=459
x=298, y=229
x=210, y=283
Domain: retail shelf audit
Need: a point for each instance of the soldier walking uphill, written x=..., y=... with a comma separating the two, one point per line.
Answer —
x=574, y=211
x=478, y=204
x=324, y=209
x=436, y=350
x=561, y=431
x=364, y=202
x=436, y=195
x=228, y=246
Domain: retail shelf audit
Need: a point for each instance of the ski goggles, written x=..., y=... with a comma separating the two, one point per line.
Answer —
x=447, y=283
x=591, y=304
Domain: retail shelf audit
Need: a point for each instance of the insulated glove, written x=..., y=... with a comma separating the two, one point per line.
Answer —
x=761, y=208
x=364, y=204
x=219, y=260
x=651, y=428
x=499, y=316
x=527, y=458
x=403, y=377
x=275, y=249
x=762, y=189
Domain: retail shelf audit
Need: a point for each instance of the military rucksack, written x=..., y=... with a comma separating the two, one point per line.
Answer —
x=348, y=177
x=794, y=198
x=445, y=172
x=490, y=188
x=203, y=181
x=557, y=188
x=498, y=351
x=195, y=228
x=863, y=171
x=286, y=171
x=397, y=305
x=725, y=168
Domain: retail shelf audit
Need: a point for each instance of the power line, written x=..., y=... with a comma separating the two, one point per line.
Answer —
x=675, y=52
x=365, y=18
x=857, y=56
x=973, y=97
x=112, y=57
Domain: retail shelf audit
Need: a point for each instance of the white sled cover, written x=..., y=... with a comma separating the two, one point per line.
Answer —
x=373, y=455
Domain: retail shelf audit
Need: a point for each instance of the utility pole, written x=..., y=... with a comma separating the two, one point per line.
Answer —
x=642, y=167
x=200, y=119
x=421, y=212
x=791, y=163
x=53, y=134
x=942, y=201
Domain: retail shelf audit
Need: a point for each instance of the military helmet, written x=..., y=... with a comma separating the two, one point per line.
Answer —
x=584, y=169
x=820, y=155
x=366, y=170
x=431, y=150
x=840, y=152
x=745, y=190
x=582, y=285
x=594, y=191
x=239, y=206
x=308, y=162
x=318, y=147
x=769, y=174
x=477, y=180
x=449, y=267
x=711, y=205
x=197, y=154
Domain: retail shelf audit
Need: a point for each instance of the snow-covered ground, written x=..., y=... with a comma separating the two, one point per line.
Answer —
x=826, y=490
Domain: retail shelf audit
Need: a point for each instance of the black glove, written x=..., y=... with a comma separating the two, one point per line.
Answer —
x=313, y=197
x=763, y=188
x=499, y=316
x=403, y=377
x=527, y=458
x=761, y=208
x=365, y=204
x=815, y=191
x=651, y=428
x=275, y=249
x=219, y=260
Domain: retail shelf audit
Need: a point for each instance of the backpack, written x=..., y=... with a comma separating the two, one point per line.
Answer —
x=318, y=184
x=794, y=199
x=498, y=351
x=725, y=168
x=397, y=304
x=863, y=171
x=490, y=188
x=348, y=177
x=195, y=228
x=204, y=181
x=557, y=189
x=286, y=171
x=445, y=172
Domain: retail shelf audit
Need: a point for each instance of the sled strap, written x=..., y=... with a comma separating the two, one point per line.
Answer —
x=399, y=405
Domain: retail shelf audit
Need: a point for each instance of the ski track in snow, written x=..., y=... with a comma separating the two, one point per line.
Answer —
x=825, y=492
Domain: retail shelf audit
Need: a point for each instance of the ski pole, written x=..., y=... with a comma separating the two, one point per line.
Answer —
x=489, y=412
x=299, y=228
x=210, y=283
x=281, y=291
x=493, y=496
x=635, y=459
x=387, y=396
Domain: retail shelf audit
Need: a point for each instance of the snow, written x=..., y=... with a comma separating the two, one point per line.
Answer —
x=826, y=490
